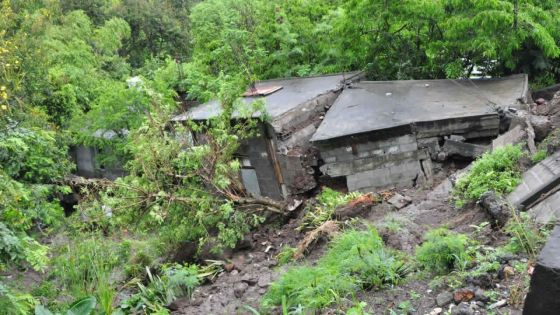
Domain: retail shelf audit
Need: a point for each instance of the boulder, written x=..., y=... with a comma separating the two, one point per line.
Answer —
x=444, y=298
x=541, y=125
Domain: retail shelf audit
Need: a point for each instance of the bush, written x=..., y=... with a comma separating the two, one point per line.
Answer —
x=497, y=170
x=327, y=201
x=443, y=250
x=355, y=260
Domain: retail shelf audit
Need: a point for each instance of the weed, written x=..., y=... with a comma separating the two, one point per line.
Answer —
x=176, y=281
x=357, y=309
x=355, y=260
x=327, y=202
x=539, y=156
x=443, y=250
x=526, y=236
x=286, y=255
x=497, y=170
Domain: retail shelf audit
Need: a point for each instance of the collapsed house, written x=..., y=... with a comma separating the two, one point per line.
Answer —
x=89, y=161
x=368, y=135
x=382, y=134
x=280, y=161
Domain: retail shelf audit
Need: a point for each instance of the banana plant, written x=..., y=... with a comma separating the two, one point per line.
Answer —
x=83, y=306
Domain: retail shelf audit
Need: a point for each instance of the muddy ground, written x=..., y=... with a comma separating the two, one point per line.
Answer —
x=431, y=207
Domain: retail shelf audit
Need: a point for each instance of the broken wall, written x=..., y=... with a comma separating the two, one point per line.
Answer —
x=401, y=156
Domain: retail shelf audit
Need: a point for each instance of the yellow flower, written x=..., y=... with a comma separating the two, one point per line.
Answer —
x=4, y=107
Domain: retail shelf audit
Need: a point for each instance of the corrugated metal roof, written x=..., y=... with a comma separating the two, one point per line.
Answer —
x=294, y=92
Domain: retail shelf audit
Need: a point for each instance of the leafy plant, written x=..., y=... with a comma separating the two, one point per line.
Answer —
x=443, y=250
x=497, y=170
x=83, y=306
x=176, y=281
x=355, y=260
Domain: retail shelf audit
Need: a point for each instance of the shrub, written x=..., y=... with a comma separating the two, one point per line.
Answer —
x=355, y=260
x=443, y=250
x=327, y=201
x=497, y=170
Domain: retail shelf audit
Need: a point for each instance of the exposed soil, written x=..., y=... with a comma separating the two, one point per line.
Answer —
x=431, y=207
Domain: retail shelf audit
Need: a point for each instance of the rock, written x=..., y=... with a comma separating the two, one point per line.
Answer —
x=463, y=308
x=483, y=280
x=436, y=311
x=239, y=289
x=513, y=136
x=463, y=295
x=399, y=201
x=229, y=267
x=506, y=258
x=541, y=125
x=441, y=156
x=444, y=298
x=456, y=138
x=505, y=272
x=262, y=291
x=234, y=272
x=480, y=295
x=249, y=279
x=264, y=281
x=499, y=304
x=540, y=101
x=497, y=207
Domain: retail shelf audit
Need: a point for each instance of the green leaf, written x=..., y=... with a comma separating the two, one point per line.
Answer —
x=82, y=307
x=41, y=310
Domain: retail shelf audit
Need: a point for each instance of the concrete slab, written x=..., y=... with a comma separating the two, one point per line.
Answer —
x=546, y=211
x=372, y=106
x=542, y=298
x=513, y=136
x=537, y=181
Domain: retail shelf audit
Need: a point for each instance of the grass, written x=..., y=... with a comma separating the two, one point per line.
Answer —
x=497, y=170
x=327, y=202
x=355, y=260
x=443, y=250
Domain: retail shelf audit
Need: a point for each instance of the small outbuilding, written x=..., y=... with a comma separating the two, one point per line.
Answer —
x=381, y=134
x=281, y=161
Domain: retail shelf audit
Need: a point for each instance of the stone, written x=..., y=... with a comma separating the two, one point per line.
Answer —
x=264, y=281
x=240, y=289
x=399, y=201
x=503, y=302
x=444, y=298
x=463, y=308
x=229, y=267
x=513, y=136
x=541, y=125
x=436, y=311
x=497, y=207
x=249, y=279
x=480, y=296
x=463, y=295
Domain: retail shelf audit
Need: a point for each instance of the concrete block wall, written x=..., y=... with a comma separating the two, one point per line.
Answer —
x=468, y=127
x=404, y=173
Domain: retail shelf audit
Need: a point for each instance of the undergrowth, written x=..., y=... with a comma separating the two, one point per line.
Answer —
x=327, y=202
x=443, y=250
x=356, y=260
x=497, y=170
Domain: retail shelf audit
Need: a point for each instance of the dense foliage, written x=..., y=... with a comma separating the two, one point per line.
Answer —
x=443, y=250
x=497, y=171
x=110, y=73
